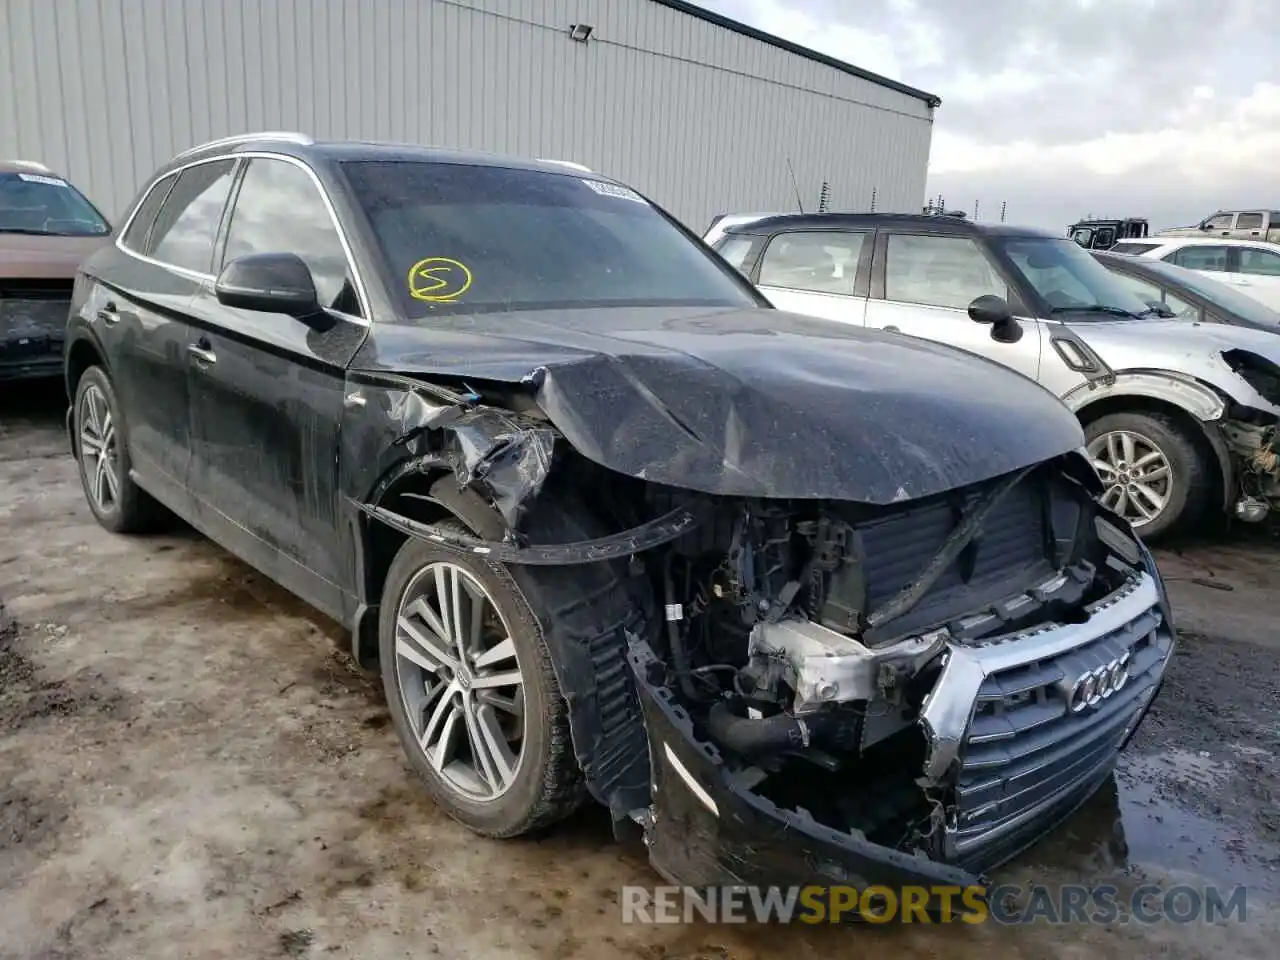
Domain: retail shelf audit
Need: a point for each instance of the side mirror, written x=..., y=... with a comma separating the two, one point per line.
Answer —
x=268, y=283
x=1162, y=309
x=993, y=310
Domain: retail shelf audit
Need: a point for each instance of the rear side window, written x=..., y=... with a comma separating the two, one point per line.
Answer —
x=1134, y=249
x=821, y=262
x=1248, y=221
x=135, y=237
x=735, y=250
x=187, y=224
x=1200, y=258
x=939, y=271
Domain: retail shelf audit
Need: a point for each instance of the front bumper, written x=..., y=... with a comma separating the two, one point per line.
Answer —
x=32, y=333
x=1007, y=758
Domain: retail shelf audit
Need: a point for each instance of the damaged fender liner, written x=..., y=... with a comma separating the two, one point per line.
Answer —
x=655, y=533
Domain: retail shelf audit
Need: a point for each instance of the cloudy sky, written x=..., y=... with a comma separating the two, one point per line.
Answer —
x=1168, y=109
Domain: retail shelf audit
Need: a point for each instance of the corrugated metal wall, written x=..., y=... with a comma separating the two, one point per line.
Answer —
x=701, y=119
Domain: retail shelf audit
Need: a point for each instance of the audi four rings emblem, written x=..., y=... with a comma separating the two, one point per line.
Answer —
x=1094, y=686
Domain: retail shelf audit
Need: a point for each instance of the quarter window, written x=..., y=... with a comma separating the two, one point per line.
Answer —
x=1200, y=258
x=939, y=271
x=1262, y=262
x=279, y=209
x=135, y=238
x=824, y=262
x=1248, y=221
x=735, y=250
x=188, y=220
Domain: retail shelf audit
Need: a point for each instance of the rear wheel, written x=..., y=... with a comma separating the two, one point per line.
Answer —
x=1153, y=471
x=102, y=449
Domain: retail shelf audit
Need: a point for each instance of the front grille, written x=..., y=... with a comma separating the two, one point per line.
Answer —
x=44, y=289
x=1025, y=747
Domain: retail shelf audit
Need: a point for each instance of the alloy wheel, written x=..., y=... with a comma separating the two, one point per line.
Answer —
x=1135, y=472
x=460, y=681
x=99, y=457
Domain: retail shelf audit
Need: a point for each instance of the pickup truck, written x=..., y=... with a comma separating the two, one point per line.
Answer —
x=1240, y=224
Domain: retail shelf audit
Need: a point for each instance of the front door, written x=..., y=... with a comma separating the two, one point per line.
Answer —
x=922, y=286
x=267, y=391
x=817, y=272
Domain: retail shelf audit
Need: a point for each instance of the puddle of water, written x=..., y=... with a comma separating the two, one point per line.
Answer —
x=1133, y=828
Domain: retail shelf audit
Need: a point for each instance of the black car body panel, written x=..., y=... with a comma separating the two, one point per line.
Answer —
x=742, y=404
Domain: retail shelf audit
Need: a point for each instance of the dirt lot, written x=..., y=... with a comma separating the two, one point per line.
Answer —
x=190, y=768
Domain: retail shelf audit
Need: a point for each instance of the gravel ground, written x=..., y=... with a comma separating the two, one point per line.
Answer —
x=192, y=768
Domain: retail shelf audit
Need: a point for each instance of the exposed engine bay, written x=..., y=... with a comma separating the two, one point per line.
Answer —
x=805, y=638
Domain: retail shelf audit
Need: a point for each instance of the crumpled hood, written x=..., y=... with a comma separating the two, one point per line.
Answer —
x=1190, y=348
x=29, y=257
x=748, y=402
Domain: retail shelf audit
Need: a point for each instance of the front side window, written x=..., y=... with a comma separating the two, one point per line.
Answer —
x=42, y=204
x=1261, y=262
x=187, y=224
x=1200, y=258
x=279, y=209
x=1180, y=308
x=940, y=271
x=1069, y=279
x=135, y=237
x=1248, y=221
x=464, y=238
x=1106, y=237
x=820, y=262
x=1222, y=221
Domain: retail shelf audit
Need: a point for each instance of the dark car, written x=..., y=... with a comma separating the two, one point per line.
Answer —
x=1104, y=234
x=799, y=601
x=47, y=227
x=1189, y=294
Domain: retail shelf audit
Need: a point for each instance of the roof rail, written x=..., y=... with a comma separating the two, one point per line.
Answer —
x=567, y=163
x=287, y=136
x=31, y=165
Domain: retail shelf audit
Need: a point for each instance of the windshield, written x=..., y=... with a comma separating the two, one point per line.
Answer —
x=1217, y=293
x=37, y=203
x=1069, y=280
x=466, y=238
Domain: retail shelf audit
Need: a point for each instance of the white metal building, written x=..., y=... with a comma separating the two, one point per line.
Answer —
x=699, y=112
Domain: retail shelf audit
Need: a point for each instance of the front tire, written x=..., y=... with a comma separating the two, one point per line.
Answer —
x=472, y=694
x=1152, y=469
x=102, y=451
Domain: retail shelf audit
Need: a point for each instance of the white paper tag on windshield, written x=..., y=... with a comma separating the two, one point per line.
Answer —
x=37, y=178
x=614, y=190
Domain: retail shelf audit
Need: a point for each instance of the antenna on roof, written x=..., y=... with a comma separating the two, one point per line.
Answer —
x=795, y=186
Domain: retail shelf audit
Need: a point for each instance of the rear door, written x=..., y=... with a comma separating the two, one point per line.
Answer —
x=137, y=311
x=1256, y=271
x=821, y=273
x=267, y=390
x=922, y=285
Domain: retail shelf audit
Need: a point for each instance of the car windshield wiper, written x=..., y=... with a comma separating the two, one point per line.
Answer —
x=1095, y=308
x=28, y=232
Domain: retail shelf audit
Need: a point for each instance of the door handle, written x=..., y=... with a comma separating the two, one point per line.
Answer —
x=109, y=315
x=202, y=352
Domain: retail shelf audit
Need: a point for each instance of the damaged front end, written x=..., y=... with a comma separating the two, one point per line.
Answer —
x=1251, y=431
x=895, y=696
x=815, y=689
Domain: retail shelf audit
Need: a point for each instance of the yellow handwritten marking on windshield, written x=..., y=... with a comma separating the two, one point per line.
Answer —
x=438, y=278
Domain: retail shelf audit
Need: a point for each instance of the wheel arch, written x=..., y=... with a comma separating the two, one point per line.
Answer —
x=1206, y=434
x=82, y=352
